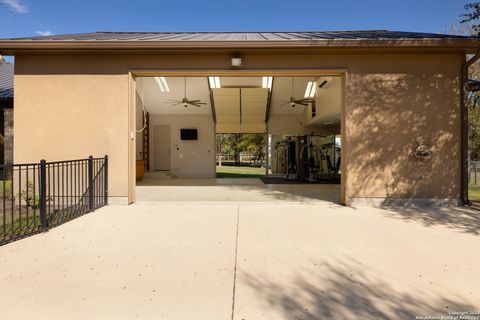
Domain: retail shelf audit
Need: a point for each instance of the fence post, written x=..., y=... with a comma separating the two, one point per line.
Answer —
x=90, y=183
x=43, y=195
x=475, y=172
x=105, y=192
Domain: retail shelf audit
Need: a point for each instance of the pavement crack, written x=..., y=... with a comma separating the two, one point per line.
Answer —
x=235, y=264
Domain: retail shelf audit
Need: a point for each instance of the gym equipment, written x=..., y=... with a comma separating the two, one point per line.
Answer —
x=312, y=158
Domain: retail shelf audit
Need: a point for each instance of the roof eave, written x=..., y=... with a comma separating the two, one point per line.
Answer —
x=468, y=45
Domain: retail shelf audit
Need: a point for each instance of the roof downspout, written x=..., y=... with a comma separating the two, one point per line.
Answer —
x=464, y=115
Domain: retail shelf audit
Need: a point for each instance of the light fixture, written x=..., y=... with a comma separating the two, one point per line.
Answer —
x=236, y=62
x=214, y=82
x=310, y=91
x=162, y=84
x=267, y=82
x=324, y=82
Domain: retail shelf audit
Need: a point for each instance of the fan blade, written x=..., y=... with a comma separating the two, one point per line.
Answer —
x=285, y=104
x=196, y=101
x=176, y=104
x=172, y=100
x=301, y=103
x=305, y=100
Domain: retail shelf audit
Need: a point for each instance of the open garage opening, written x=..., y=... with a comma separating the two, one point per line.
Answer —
x=238, y=138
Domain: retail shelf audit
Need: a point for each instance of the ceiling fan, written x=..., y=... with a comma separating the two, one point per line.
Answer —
x=293, y=101
x=185, y=101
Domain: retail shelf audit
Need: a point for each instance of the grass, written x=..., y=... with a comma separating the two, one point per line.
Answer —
x=239, y=172
x=21, y=226
x=8, y=188
x=474, y=192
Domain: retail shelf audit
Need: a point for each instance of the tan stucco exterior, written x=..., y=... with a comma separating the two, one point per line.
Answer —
x=70, y=106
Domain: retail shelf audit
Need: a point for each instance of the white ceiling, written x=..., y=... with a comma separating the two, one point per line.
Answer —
x=156, y=102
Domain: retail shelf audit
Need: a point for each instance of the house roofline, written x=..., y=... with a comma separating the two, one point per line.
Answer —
x=466, y=45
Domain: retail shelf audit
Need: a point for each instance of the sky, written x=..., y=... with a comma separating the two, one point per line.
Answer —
x=21, y=18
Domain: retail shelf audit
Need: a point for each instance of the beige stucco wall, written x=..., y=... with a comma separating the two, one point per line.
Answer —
x=72, y=106
x=64, y=116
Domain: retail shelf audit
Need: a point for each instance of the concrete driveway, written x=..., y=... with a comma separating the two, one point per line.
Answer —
x=246, y=261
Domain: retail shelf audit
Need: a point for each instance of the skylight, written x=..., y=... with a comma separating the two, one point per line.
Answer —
x=267, y=82
x=162, y=84
x=214, y=82
x=310, y=91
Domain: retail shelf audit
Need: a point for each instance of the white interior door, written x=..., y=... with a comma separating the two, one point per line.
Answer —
x=161, y=147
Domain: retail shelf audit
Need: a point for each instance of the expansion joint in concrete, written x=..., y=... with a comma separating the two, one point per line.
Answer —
x=235, y=263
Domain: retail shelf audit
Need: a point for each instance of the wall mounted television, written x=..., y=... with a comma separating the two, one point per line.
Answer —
x=188, y=134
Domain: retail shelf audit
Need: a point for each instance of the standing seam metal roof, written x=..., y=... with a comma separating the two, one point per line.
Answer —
x=6, y=80
x=242, y=36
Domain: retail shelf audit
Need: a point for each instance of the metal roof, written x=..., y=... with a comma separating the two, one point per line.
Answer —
x=6, y=80
x=241, y=36
x=321, y=40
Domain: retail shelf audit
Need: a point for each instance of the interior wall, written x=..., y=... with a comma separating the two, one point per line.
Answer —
x=295, y=125
x=138, y=126
x=328, y=102
x=189, y=158
x=286, y=124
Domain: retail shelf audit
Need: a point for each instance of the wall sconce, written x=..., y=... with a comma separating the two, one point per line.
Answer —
x=421, y=152
x=236, y=62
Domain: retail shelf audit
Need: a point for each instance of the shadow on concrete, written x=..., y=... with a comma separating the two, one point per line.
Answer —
x=464, y=219
x=233, y=190
x=349, y=291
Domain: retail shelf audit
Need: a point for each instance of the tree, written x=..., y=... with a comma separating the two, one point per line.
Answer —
x=472, y=15
x=254, y=144
x=469, y=26
x=235, y=144
x=228, y=144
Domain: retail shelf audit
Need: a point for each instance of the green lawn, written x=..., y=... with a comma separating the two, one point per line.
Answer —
x=8, y=188
x=239, y=172
x=474, y=192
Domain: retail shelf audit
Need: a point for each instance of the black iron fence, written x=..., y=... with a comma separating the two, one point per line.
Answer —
x=39, y=196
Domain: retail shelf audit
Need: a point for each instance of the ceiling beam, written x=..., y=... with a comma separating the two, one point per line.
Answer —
x=212, y=102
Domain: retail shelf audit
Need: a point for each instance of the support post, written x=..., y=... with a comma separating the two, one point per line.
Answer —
x=105, y=171
x=90, y=183
x=43, y=195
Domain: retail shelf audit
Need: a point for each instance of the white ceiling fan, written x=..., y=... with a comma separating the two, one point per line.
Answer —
x=185, y=101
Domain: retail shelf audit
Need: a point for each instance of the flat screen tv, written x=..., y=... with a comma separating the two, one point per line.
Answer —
x=188, y=134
